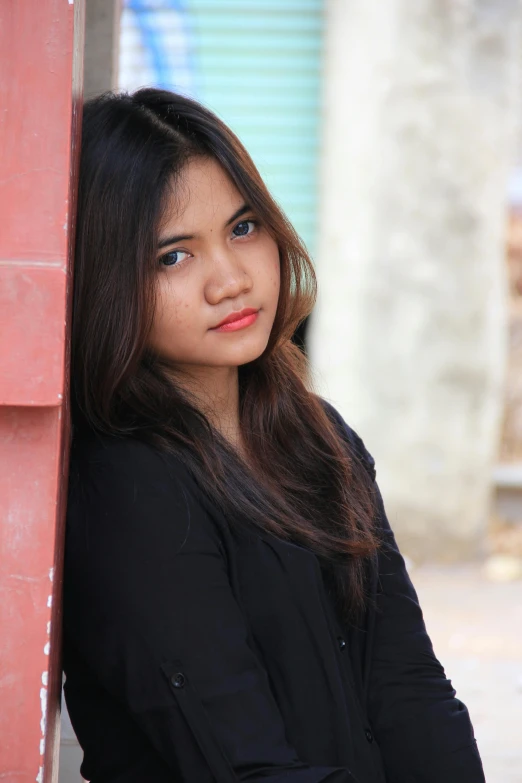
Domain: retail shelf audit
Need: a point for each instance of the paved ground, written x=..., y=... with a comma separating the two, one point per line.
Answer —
x=476, y=629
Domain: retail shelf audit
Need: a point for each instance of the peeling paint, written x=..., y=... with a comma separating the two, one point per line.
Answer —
x=47, y=648
x=24, y=578
x=51, y=574
x=43, y=702
x=43, y=719
x=49, y=600
x=48, y=627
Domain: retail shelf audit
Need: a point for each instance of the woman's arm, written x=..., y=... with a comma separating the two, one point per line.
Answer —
x=149, y=605
x=423, y=731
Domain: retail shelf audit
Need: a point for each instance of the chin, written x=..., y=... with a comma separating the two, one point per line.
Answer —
x=243, y=355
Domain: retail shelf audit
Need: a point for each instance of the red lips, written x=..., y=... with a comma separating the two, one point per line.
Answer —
x=236, y=316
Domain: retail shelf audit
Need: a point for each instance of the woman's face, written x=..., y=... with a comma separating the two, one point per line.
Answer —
x=213, y=261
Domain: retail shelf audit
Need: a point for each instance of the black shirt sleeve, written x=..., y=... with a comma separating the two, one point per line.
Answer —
x=423, y=731
x=148, y=604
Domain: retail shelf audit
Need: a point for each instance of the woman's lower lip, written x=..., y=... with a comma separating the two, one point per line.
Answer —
x=234, y=325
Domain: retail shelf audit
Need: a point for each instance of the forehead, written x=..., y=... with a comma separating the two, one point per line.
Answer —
x=202, y=193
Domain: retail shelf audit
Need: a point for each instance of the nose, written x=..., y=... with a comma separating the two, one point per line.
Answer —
x=227, y=278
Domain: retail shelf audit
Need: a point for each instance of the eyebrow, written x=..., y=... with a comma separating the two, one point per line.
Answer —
x=184, y=237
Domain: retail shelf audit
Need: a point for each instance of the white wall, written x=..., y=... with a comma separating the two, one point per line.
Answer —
x=409, y=335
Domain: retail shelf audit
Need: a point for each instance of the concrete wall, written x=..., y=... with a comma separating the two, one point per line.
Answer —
x=409, y=335
x=102, y=29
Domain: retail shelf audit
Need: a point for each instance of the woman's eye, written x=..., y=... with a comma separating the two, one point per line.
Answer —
x=244, y=228
x=174, y=257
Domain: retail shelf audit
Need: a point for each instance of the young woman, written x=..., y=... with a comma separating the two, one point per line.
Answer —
x=235, y=605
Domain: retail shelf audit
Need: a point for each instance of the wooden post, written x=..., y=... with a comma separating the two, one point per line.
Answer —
x=41, y=68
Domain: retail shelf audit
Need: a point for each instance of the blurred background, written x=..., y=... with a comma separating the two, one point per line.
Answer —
x=391, y=135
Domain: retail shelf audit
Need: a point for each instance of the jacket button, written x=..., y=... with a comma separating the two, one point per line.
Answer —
x=178, y=680
x=369, y=735
x=342, y=643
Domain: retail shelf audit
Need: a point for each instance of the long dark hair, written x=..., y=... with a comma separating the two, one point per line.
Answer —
x=301, y=483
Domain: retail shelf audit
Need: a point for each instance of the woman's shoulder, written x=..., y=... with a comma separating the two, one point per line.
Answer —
x=94, y=452
x=122, y=486
x=127, y=470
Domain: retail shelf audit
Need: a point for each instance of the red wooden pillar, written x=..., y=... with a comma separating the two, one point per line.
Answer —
x=41, y=68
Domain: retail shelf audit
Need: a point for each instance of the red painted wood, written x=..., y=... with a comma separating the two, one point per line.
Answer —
x=41, y=61
x=32, y=334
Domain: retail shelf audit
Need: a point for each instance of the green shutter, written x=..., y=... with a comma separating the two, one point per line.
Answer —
x=257, y=63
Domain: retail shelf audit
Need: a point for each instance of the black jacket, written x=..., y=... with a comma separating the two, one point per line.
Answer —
x=195, y=652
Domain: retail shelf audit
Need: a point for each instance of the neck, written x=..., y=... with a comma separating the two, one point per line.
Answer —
x=215, y=391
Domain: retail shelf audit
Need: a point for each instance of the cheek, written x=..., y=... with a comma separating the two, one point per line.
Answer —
x=173, y=312
x=269, y=267
x=275, y=273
